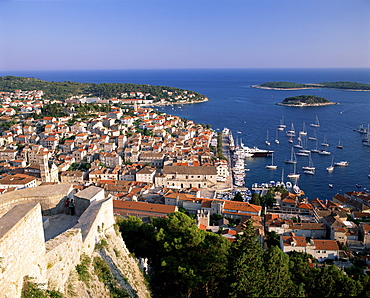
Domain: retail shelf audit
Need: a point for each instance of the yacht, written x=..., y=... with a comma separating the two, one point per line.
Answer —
x=324, y=152
x=339, y=146
x=341, y=164
x=256, y=152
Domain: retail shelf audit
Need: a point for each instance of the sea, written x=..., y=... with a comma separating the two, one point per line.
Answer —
x=253, y=116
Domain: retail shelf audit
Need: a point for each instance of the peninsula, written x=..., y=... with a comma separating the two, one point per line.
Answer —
x=305, y=101
x=348, y=86
x=125, y=93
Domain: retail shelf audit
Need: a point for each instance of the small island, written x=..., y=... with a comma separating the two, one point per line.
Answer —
x=305, y=101
x=343, y=85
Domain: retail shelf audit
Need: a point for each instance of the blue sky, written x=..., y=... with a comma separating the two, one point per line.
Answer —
x=144, y=34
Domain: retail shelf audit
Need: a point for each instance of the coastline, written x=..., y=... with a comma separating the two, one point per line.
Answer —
x=304, y=88
x=169, y=103
x=307, y=105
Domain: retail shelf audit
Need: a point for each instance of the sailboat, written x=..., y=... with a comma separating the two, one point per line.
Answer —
x=267, y=139
x=292, y=158
x=331, y=167
x=310, y=169
x=339, y=146
x=325, y=142
x=277, y=137
x=315, y=150
x=317, y=123
x=291, y=132
x=281, y=126
x=303, y=132
x=294, y=174
x=314, y=138
x=299, y=145
x=271, y=166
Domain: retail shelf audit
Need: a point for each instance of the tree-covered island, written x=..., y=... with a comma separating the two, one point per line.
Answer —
x=348, y=86
x=148, y=94
x=305, y=101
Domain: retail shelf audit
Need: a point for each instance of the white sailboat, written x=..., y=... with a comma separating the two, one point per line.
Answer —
x=271, y=166
x=310, y=166
x=303, y=132
x=331, y=167
x=340, y=146
x=325, y=142
x=277, y=137
x=317, y=123
x=281, y=126
x=315, y=150
x=292, y=158
x=294, y=175
x=291, y=132
x=314, y=138
x=267, y=139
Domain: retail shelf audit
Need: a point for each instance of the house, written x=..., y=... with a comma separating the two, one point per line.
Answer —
x=365, y=233
x=293, y=243
x=18, y=181
x=73, y=177
x=146, y=174
x=187, y=176
x=142, y=209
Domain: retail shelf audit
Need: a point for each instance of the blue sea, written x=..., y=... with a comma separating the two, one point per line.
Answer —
x=249, y=113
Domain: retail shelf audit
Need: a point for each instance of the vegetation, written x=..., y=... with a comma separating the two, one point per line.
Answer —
x=83, y=268
x=102, y=271
x=219, y=153
x=187, y=261
x=33, y=289
x=334, y=85
x=305, y=99
x=62, y=90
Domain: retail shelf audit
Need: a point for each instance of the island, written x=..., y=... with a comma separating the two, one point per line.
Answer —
x=348, y=86
x=122, y=92
x=305, y=101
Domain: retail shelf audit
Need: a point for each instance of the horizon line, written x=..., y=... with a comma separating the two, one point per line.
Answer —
x=185, y=68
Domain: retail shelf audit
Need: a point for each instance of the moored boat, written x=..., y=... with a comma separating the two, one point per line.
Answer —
x=341, y=164
x=316, y=124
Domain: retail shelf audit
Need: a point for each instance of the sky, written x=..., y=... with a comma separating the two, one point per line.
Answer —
x=162, y=34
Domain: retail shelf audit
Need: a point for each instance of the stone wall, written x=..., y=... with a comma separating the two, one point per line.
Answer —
x=93, y=223
x=23, y=251
x=51, y=198
x=22, y=247
x=62, y=255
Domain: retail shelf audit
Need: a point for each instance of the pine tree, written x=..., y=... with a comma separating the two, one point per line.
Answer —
x=278, y=281
x=247, y=275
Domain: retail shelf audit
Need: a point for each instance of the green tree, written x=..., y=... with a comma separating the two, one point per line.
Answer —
x=278, y=282
x=238, y=197
x=187, y=260
x=255, y=199
x=247, y=274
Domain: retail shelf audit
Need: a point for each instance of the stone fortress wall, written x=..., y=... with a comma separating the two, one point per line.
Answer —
x=23, y=249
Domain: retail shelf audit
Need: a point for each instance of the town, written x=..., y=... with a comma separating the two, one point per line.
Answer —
x=152, y=163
